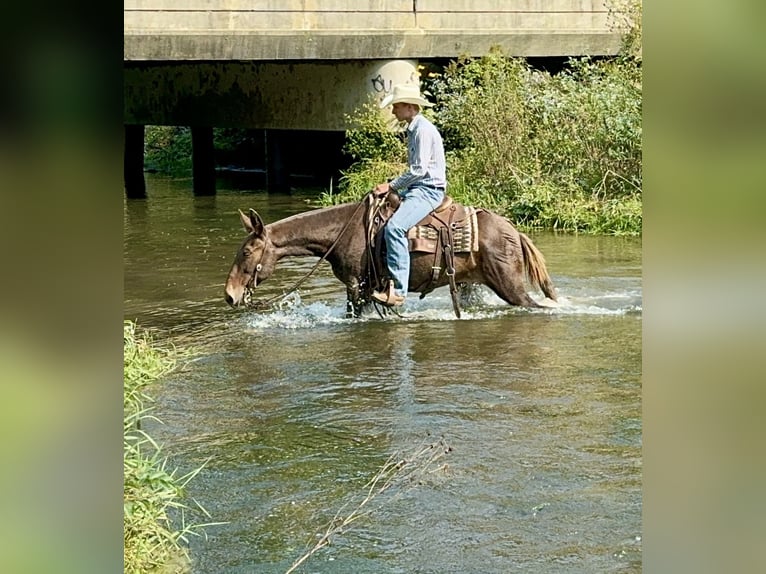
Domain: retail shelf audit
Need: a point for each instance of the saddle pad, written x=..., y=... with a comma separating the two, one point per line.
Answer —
x=465, y=235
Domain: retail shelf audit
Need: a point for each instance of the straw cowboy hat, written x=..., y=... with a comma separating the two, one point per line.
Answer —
x=405, y=93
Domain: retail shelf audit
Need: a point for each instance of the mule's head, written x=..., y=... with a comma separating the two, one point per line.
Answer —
x=253, y=263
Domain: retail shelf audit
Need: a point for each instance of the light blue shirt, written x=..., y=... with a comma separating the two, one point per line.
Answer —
x=425, y=155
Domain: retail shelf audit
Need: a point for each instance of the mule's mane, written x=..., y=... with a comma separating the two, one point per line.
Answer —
x=311, y=232
x=332, y=214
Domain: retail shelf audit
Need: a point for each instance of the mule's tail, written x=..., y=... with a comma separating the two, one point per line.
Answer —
x=534, y=266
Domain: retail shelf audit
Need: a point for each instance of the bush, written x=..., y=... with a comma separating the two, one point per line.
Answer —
x=550, y=151
x=376, y=144
x=168, y=149
x=511, y=127
x=626, y=16
x=359, y=180
x=373, y=137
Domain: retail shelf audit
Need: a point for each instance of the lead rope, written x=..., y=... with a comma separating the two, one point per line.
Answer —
x=311, y=271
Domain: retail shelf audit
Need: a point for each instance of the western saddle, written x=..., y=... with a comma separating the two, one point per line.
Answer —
x=450, y=228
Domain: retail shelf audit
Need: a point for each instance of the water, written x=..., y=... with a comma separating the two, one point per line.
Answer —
x=292, y=411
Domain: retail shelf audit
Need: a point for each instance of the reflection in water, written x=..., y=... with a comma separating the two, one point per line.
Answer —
x=294, y=409
x=404, y=395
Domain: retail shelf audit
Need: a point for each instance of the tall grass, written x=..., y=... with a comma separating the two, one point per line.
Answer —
x=151, y=491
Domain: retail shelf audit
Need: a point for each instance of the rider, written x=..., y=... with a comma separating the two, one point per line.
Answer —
x=421, y=187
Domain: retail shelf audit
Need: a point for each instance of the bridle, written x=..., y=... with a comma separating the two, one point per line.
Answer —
x=251, y=284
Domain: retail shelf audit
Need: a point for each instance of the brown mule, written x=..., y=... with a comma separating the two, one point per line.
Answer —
x=505, y=257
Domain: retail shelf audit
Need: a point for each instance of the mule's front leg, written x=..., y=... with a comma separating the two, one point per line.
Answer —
x=353, y=306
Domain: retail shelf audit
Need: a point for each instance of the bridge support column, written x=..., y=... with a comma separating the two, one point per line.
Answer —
x=133, y=162
x=277, y=169
x=203, y=160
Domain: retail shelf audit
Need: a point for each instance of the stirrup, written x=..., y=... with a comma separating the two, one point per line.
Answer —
x=389, y=297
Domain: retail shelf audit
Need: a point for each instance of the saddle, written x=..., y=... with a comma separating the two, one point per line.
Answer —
x=450, y=228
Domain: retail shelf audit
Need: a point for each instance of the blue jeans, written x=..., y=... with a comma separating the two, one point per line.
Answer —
x=417, y=202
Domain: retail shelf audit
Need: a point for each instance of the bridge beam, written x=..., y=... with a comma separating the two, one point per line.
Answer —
x=258, y=95
x=201, y=30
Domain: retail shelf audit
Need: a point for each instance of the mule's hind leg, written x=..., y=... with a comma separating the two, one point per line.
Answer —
x=511, y=289
x=504, y=274
x=468, y=295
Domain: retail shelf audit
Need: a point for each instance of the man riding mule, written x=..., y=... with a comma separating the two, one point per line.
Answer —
x=429, y=240
x=422, y=187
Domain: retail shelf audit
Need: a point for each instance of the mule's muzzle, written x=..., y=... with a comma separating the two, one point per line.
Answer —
x=235, y=299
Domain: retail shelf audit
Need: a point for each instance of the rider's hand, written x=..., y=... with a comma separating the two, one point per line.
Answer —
x=382, y=189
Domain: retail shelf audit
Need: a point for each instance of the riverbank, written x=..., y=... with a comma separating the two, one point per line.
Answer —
x=151, y=541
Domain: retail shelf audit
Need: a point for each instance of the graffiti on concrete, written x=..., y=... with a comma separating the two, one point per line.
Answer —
x=379, y=84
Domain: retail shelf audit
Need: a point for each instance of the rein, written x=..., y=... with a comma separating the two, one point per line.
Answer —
x=249, y=289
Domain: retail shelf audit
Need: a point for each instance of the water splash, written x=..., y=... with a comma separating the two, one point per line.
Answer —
x=293, y=313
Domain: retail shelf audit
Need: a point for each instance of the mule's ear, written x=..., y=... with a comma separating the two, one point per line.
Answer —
x=252, y=223
x=256, y=222
x=245, y=222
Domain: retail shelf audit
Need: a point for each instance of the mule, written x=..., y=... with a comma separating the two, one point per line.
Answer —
x=338, y=234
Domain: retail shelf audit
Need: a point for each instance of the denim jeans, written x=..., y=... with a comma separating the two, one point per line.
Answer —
x=417, y=202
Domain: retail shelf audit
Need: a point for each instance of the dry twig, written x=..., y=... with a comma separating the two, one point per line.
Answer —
x=398, y=471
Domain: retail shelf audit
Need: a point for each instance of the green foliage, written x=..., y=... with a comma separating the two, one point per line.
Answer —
x=359, y=180
x=231, y=139
x=514, y=127
x=374, y=138
x=626, y=17
x=587, y=129
x=168, y=149
x=557, y=151
x=151, y=544
x=547, y=208
x=483, y=119
x=377, y=145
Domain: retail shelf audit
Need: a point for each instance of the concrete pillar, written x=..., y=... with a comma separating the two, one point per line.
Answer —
x=203, y=160
x=277, y=167
x=133, y=162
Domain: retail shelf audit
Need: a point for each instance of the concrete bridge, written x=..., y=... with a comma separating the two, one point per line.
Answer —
x=287, y=65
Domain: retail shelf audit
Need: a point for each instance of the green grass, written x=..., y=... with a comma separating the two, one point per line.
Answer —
x=151, y=491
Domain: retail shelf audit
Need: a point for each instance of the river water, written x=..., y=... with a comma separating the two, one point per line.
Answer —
x=534, y=415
